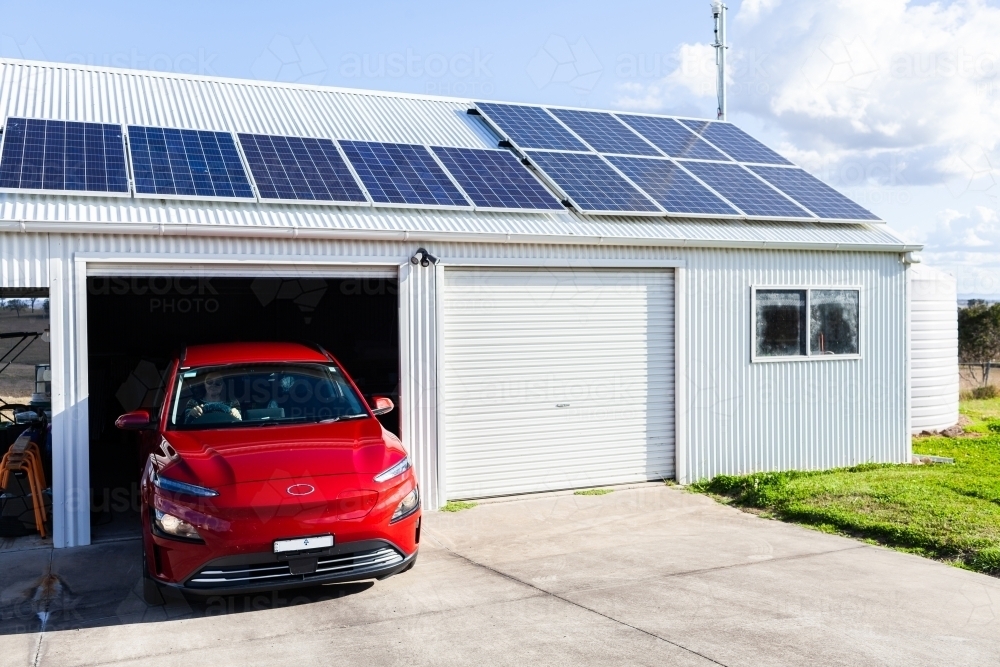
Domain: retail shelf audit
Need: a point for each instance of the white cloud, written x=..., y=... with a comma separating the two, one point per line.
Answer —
x=978, y=231
x=857, y=79
x=968, y=246
x=751, y=10
x=694, y=76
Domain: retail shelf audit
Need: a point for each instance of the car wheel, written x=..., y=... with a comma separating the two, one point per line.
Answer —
x=151, y=593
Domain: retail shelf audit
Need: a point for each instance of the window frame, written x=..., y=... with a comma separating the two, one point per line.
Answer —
x=808, y=289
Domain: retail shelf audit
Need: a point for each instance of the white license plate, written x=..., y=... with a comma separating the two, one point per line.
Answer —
x=303, y=543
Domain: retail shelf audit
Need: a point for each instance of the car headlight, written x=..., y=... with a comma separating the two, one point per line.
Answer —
x=177, y=527
x=407, y=506
x=173, y=486
x=395, y=471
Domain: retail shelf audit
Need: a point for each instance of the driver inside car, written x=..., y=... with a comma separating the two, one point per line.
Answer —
x=214, y=401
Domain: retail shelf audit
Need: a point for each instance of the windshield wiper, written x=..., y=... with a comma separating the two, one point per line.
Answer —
x=342, y=418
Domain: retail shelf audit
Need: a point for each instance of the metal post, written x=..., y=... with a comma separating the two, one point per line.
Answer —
x=719, y=14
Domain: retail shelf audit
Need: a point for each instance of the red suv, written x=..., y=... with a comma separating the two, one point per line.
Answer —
x=266, y=469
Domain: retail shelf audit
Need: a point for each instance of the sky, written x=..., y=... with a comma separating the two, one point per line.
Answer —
x=895, y=103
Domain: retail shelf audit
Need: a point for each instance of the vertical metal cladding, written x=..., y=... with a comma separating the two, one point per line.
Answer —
x=934, y=379
x=741, y=416
x=24, y=260
x=418, y=362
x=806, y=414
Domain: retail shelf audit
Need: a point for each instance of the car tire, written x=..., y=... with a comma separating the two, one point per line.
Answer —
x=151, y=593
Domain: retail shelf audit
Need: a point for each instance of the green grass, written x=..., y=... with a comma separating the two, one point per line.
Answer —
x=592, y=492
x=947, y=512
x=457, y=506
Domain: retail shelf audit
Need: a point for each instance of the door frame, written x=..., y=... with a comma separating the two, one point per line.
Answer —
x=71, y=433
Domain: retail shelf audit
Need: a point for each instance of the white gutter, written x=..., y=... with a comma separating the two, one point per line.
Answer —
x=209, y=229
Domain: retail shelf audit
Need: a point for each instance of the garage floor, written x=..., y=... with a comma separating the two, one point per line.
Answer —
x=651, y=576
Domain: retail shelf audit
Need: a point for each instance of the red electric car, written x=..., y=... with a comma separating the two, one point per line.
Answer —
x=266, y=469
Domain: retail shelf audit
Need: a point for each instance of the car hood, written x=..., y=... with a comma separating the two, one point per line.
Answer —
x=220, y=457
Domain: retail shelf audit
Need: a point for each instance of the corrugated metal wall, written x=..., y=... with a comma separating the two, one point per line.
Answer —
x=418, y=372
x=934, y=377
x=24, y=260
x=741, y=416
x=805, y=414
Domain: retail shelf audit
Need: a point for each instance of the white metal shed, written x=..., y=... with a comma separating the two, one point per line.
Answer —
x=543, y=351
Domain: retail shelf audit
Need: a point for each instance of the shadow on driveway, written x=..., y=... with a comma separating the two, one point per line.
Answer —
x=101, y=585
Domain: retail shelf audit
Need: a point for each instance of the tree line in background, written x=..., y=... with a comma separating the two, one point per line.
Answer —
x=28, y=305
x=979, y=340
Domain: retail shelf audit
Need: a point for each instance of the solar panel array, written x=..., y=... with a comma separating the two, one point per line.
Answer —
x=604, y=132
x=60, y=155
x=735, y=142
x=747, y=192
x=673, y=138
x=402, y=174
x=530, y=127
x=591, y=184
x=688, y=167
x=187, y=163
x=495, y=179
x=672, y=188
x=298, y=168
x=818, y=197
x=597, y=162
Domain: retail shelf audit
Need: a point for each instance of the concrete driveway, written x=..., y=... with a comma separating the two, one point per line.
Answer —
x=646, y=576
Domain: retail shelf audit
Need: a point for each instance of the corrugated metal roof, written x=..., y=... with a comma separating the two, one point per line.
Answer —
x=83, y=93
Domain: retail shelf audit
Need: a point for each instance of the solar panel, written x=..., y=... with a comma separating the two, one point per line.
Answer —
x=591, y=184
x=402, y=174
x=673, y=138
x=744, y=190
x=671, y=187
x=299, y=168
x=496, y=179
x=60, y=155
x=814, y=194
x=168, y=162
x=530, y=127
x=604, y=132
x=735, y=142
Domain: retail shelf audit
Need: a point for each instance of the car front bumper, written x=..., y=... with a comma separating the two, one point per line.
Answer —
x=257, y=572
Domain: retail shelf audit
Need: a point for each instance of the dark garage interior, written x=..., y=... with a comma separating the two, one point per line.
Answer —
x=136, y=324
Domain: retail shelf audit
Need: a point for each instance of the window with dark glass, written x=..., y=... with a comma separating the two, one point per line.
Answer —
x=833, y=322
x=781, y=323
x=815, y=322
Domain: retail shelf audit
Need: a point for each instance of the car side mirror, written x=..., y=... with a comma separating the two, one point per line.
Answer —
x=382, y=406
x=134, y=421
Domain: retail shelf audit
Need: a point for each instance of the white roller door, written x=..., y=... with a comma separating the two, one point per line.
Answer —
x=557, y=379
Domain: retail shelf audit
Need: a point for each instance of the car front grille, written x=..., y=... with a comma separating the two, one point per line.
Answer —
x=354, y=564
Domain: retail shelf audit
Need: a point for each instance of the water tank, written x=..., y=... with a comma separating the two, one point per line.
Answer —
x=934, y=383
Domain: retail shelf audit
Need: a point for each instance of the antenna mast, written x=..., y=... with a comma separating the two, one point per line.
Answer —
x=719, y=14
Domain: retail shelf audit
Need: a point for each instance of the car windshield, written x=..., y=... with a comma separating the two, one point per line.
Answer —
x=262, y=394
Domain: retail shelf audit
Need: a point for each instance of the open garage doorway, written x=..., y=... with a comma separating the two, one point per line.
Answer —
x=136, y=323
x=25, y=413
